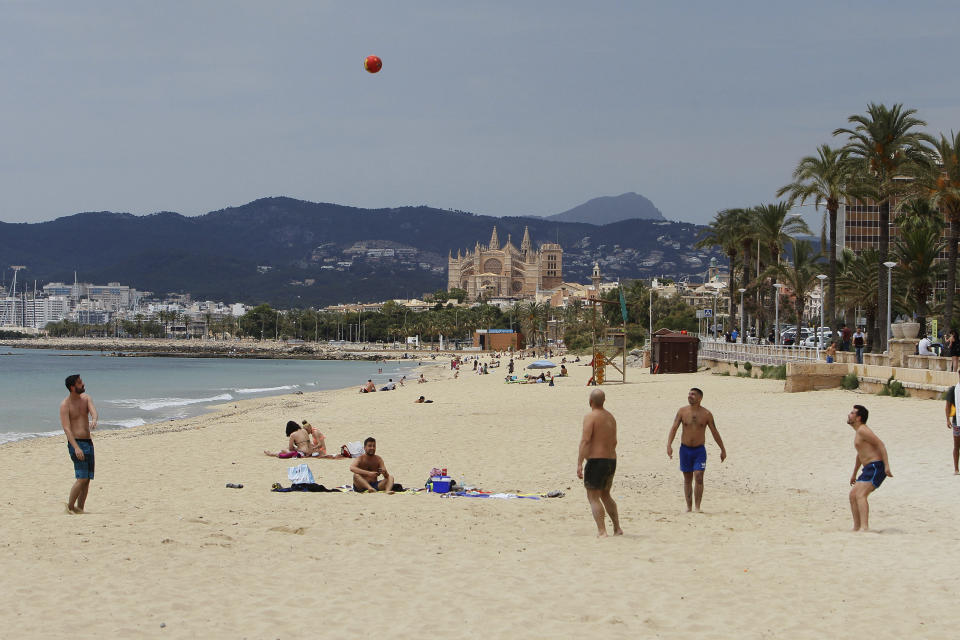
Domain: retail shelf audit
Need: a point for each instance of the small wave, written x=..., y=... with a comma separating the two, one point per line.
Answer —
x=126, y=424
x=13, y=436
x=266, y=389
x=152, y=404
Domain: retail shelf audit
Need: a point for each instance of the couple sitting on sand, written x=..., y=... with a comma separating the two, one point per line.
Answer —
x=303, y=442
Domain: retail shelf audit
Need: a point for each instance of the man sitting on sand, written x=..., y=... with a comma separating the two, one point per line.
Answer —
x=421, y=380
x=598, y=446
x=369, y=387
x=368, y=468
x=693, y=451
x=298, y=445
x=872, y=454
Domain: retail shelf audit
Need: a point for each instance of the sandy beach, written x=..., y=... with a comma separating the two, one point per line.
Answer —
x=166, y=550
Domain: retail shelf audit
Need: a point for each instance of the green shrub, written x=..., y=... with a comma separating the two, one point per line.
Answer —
x=893, y=388
x=736, y=365
x=773, y=372
x=747, y=366
x=744, y=374
x=850, y=382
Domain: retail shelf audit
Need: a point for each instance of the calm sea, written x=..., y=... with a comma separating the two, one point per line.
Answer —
x=130, y=392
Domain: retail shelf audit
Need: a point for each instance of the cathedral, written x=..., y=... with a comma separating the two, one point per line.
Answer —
x=493, y=271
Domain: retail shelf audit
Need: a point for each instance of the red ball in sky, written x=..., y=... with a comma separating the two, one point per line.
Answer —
x=372, y=64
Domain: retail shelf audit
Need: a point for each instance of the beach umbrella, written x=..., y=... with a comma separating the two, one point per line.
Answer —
x=541, y=364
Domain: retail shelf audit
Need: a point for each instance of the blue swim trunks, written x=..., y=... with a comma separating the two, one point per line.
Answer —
x=82, y=468
x=874, y=473
x=693, y=458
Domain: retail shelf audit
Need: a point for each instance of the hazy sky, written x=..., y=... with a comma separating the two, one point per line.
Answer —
x=496, y=107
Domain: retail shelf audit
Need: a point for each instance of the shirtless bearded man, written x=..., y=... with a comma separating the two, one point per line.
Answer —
x=368, y=468
x=693, y=451
x=76, y=412
x=598, y=446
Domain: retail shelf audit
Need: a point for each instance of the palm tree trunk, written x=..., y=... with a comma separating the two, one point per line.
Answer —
x=731, y=289
x=872, y=335
x=951, y=275
x=831, y=300
x=884, y=251
x=747, y=262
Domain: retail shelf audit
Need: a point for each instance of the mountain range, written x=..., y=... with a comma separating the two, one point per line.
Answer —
x=293, y=253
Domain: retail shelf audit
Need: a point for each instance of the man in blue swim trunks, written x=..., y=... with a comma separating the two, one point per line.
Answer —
x=693, y=450
x=872, y=455
x=76, y=412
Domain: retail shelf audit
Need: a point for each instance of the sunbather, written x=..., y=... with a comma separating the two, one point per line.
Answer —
x=298, y=444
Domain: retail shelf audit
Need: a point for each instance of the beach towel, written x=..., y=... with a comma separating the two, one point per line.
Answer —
x=300, y=474
x=307, y=486
x=355, y=449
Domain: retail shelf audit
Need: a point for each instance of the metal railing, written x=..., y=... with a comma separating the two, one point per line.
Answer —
x=755, y=353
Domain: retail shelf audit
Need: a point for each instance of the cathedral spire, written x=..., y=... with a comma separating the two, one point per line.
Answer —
x=494, y=240
x=525, y=247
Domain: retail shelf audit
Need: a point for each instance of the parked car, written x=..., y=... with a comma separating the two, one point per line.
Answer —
x=812, y=340
x=789, y=337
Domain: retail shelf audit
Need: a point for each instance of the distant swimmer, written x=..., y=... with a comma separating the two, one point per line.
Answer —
x=872, y=455
x=78, y=417
x=598, y=446
x=693, y=450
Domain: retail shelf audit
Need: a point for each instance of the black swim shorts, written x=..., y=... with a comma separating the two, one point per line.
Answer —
x=598, y=473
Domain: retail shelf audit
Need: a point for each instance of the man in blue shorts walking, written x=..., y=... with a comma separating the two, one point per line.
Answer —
x=693, y=451
x=75, y=413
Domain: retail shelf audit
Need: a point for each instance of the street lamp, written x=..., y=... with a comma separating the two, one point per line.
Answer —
x=889, y=265
x=743, y=339
x=776, y=305
x=821, y=277
x=716, y=295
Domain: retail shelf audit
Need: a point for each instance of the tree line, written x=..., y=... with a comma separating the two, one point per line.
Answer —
x=912, y=178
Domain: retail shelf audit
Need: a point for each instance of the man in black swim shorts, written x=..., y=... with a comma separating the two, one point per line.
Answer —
x=598, y=446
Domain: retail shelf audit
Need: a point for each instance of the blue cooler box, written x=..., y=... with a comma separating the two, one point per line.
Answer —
x=441, y=484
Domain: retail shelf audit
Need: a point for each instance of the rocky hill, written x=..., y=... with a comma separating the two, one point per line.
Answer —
x=295, y=253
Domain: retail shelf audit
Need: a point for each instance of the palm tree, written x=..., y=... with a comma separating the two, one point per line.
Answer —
x=824, y=178
x=857, y=285
x=532, y=315
x=800, y=276
x=887, y=148
x=943, y=185
x=727, y=231
x=774, y=227
x=917, y=253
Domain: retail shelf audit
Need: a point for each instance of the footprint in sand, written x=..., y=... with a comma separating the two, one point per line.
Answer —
x=296, y=531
